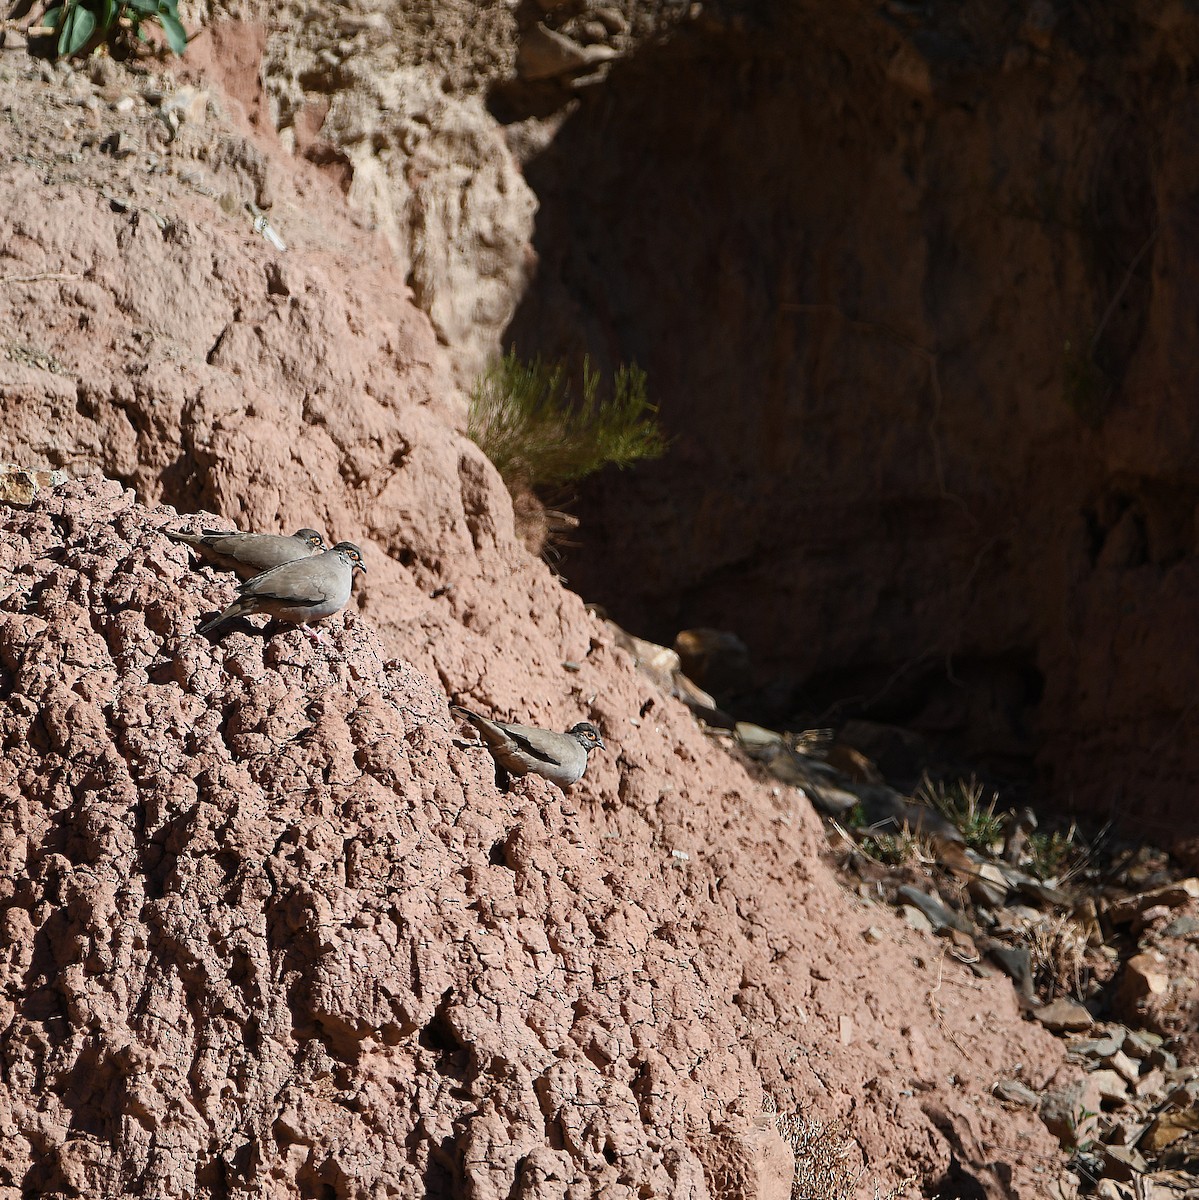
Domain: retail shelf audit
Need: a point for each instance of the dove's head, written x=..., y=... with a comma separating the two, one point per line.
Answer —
x=587, y=736
x=352, y=555
x=310, y=538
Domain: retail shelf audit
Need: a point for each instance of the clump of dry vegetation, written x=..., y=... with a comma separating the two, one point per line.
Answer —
x=542, y=437
x=824, y=1153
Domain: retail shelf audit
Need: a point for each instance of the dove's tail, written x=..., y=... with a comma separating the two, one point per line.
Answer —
x=234, y=609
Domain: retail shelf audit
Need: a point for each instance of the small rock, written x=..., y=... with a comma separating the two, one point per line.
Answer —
x=1096, y=1048
x=1071, y=1112
x=1151, y=1083
x=1042, y=893
x=1016, y=962
x=1017, y=916
x=1125, y=1133
x=987, y=885
x=1012, y=1091
x=124, y=104
x=1108, y=1086
x=916, y=919
x=1170, y=895
x=940, y=916
x=591, y=32
x=1150, y=916
x=1123, y=1066
x=832, y=801
x=873, y=935
x=1182, y=927
x=1163, y=1058
x=1064, y=1016
x=613, y=19
x=1139, y=1045
x=696, y=699
x=1142, y=977
x=1169, y=1127
x=1017, y=827
x=599, y=57
x=1122, y=1162
x=754, y=737
x=544, y=53
x=19, y=485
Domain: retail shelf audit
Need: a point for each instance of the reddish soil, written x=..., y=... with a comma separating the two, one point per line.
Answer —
x=267, y=930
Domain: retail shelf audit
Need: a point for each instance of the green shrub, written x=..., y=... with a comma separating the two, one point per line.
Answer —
x=523, y=417
x=84, y=24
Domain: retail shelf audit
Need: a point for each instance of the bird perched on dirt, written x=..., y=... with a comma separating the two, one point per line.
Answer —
x=300, y=591
x=250, y=554
x=523, y=750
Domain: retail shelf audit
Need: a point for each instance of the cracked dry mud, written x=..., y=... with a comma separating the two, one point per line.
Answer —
x=256, y=888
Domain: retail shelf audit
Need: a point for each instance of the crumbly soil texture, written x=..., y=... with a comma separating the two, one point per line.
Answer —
x=266, y=928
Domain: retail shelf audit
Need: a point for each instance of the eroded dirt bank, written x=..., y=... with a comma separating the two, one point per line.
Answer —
x=266, y=930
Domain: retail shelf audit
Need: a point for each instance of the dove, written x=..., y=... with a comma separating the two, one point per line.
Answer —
x=523, y=750
x=300, y=591
x=250, y=554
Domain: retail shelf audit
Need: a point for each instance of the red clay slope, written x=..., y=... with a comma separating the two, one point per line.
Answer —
x=267, y=931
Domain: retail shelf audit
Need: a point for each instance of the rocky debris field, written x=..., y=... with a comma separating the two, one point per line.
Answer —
x=1099, y=935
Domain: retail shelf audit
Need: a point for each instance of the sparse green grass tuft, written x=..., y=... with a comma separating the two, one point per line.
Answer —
x=962, y=803
x=893, y=849
x=1055, y=855
x=523, y=417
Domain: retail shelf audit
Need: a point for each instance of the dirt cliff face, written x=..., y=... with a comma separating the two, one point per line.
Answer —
x=266, y=930
x=269, y=931
x=912, y=290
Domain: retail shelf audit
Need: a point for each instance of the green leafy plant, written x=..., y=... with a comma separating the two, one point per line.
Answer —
x=524, y=418
x=81, y=25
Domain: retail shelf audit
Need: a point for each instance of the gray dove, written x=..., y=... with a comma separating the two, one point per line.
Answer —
x=523, y=750
x=300, y=591
x=250, y=554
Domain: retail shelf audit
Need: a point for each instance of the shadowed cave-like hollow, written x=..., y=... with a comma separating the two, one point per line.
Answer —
x=911, y=299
